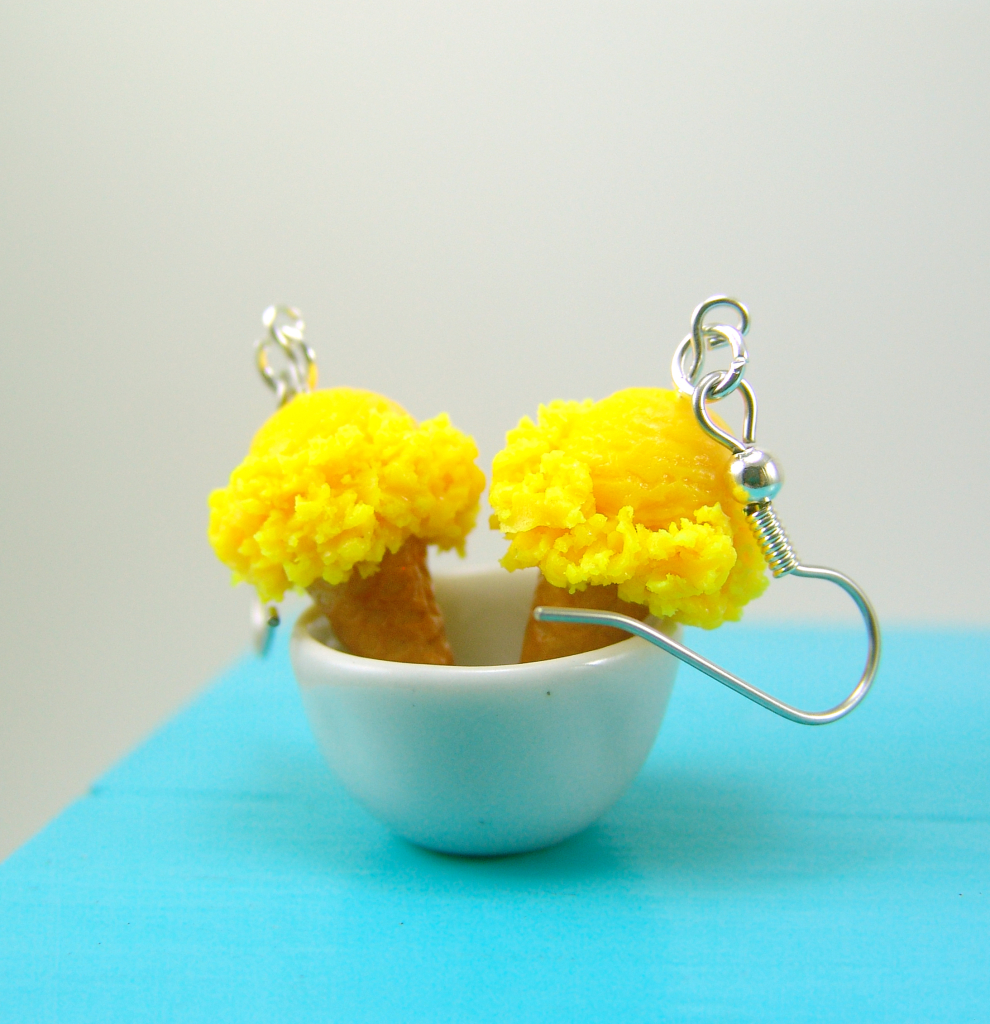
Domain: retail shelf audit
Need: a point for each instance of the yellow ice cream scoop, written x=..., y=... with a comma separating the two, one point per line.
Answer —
x=332, y=481
x=629, y=492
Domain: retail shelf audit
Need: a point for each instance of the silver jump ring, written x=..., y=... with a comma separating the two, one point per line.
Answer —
x=728, y=380
x=700, y=333
x=701, y=397
x=299, y=372
x=731, y=378
x=682, y=379
x=711, y=336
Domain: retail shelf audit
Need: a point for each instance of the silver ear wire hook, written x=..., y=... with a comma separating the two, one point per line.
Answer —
x=758, y=475
x=285, y=334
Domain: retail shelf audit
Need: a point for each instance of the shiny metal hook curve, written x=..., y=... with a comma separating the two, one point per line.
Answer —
x=698, y=316
x=713, y=671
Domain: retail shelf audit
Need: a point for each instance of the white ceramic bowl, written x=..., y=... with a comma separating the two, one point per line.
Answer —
x=483, y=757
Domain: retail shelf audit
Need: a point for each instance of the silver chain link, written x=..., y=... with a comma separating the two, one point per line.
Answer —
x=286, y=335
x=688, y=363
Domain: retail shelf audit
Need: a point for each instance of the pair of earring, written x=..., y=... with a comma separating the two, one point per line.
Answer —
x=751, y=468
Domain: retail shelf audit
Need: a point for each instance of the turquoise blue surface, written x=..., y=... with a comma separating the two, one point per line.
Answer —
x=756, y=871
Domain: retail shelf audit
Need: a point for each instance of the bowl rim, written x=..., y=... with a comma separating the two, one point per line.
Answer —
x=344, y=668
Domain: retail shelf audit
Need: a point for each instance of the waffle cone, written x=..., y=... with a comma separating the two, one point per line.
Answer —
x=391, y=615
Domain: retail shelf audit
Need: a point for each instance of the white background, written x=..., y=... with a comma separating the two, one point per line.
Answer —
x=478, y=206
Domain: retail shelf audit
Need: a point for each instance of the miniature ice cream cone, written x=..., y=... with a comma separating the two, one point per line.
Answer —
x=628, y=502
x=340, y=494
x=391, y=615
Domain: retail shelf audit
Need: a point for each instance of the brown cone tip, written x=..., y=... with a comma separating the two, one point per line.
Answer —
x=392, y=615
x=545, y=640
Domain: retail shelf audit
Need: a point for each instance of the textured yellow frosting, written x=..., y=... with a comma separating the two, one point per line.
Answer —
x=628, y=490
x=333, y=480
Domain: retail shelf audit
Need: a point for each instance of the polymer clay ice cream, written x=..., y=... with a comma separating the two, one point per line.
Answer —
x=339, y=495
x=627, y=505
